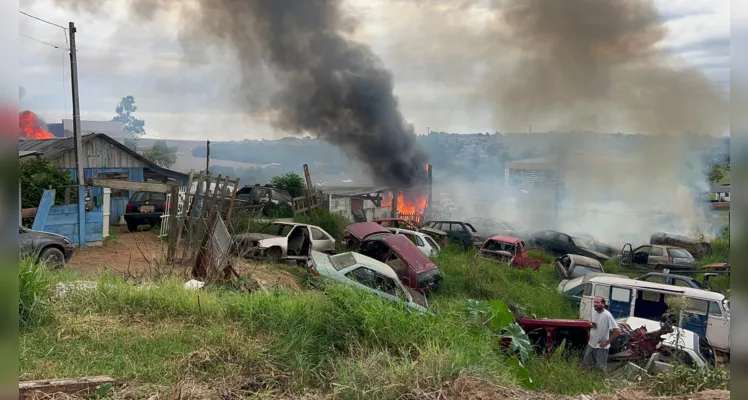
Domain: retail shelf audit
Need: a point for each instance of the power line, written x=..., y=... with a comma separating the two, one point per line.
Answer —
x=43, y=20
x=64, y=30
x=41, y=41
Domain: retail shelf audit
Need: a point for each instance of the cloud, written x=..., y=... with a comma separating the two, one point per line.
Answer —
x=180, y=99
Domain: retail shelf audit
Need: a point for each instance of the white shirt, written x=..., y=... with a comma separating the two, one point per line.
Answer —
x=605, y=323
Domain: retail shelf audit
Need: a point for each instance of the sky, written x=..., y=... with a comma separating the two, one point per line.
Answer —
x=189, y=100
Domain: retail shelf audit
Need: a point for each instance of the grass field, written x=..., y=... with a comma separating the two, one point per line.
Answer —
x=333, y=342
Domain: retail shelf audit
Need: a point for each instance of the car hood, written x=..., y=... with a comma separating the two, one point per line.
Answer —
x=47, y=235
x=596, y=253
x=254, y=236
x=434, y=231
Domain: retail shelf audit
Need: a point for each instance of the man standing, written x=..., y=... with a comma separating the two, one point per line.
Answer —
x=604, y=331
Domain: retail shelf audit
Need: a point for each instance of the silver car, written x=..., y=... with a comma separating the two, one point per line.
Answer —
x=284, y=241
x=657, y=256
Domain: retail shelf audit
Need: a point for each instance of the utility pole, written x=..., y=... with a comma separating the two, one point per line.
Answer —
x=76, y=105
x=77, y=141
x=207, y=157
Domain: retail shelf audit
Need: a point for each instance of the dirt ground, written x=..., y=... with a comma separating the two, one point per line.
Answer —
x=138, y=252
x=142, y=254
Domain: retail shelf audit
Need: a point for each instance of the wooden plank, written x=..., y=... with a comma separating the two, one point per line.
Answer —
x=233, y=200
x=192, y=212
x=173, y=223
x=180, y=224
x=32, y=389
x=68, y=209
x=28, y=212
x=42, y=212
x=129, y=185
x=67, y=195
x=224, y=194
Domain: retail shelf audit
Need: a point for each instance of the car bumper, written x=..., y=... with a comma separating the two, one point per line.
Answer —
x=68, y=251
x=143, y=217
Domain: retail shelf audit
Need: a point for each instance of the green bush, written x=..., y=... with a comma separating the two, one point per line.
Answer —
x=33, y=293
x=683, y=380
x=334, y=224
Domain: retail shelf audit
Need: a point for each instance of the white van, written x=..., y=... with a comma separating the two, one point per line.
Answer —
x=709, y=312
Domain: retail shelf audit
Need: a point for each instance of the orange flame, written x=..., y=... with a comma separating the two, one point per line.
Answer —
x=408, y=205
x=32, y=127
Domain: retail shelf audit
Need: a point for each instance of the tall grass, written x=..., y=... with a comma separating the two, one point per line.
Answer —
x=34, y=288
x=332, y=223
x=338, y=340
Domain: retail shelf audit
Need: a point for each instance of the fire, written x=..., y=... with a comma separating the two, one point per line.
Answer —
x=408, y=205
x=32, y=127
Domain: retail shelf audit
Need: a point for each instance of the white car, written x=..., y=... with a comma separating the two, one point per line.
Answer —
x=424, y=242
x=368, y=274
x=284, y=241
x=696, y=349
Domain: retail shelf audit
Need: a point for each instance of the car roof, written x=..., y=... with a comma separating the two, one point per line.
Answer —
x=687, y=291
x=408, y=231
x=410, y=253
x=363, y=229
x=375, y=265
x=505, y=238
x=670, y=275
x=583, y=260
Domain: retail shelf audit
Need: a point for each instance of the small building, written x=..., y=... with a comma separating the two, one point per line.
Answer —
x=102, y=157
x=720, y=193
x=357, y=204
x=532, y=172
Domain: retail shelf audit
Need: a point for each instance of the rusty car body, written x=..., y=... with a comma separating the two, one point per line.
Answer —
x=697, y=248
x=414, y=268
x=511, y=250
x=401, y=223
x=355, y=234
x=570, y=266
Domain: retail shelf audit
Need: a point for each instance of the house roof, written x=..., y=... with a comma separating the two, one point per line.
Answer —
x=22, y=153
x=717, y=188
x=352, y=191
x=54, y=148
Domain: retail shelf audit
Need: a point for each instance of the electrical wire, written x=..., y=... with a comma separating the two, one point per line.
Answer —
x=40, y=19
x=41, y=41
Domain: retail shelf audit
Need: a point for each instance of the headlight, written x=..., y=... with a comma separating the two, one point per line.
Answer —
x=66, y=240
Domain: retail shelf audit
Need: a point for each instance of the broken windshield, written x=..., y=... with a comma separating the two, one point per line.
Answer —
x=579, y=242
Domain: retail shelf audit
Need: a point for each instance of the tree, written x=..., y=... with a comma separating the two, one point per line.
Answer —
x=133, y=126
x=290, y=181
x=161, y=154
x=38, y=174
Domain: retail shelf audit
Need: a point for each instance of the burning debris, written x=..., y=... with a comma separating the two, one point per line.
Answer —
x=326, y=83
x=32, y=126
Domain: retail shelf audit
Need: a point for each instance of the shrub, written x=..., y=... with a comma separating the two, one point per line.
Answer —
x=332, y=223
x=33, y=293
x=683, y=380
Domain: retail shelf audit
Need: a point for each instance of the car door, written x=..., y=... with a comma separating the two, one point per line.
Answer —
x=321, y=241
x=25, y=242
x=562, y=266
x=379, y=284
x=620, y=302
x=657, y=256
x=695, y=316
x=718, y=327
x=641, y=255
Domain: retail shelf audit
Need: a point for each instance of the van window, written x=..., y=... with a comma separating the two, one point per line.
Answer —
x=620, y=294
x=602, y=291
x=650, y=296
x=587, y=290
x=655, y=279
x=714, y=309
x=698, y=306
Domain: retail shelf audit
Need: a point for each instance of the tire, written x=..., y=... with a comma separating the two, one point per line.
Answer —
x=658, y=267
x=132, y=227
x=53, y=257
x=275, y=254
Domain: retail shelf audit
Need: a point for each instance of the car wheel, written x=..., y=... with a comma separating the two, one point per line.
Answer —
x=132, y=227
x=53, y=257
x=275, y=254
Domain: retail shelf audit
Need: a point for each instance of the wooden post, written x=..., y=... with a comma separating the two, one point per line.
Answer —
x=393, y=211
x=428, y=200
x=173, y=223
x=67, y=195
x=193, y=210
x=309, y=187
x=233, y=199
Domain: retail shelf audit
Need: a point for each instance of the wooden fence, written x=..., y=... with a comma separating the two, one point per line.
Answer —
x=434, y=215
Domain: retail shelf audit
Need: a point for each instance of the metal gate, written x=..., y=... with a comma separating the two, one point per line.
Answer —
x=164, y=230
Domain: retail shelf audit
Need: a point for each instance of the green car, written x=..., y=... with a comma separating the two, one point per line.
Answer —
x=367, y=273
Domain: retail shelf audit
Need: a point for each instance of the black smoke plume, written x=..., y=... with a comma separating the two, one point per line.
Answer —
x=328, y=85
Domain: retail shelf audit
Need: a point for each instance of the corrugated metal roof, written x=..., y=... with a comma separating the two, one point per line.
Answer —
x=22, y=153
x=110, y=128
x=355, y=191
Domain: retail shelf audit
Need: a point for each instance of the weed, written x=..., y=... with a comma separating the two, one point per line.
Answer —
x=332, y=223
x=33, y=293
x=684, y=380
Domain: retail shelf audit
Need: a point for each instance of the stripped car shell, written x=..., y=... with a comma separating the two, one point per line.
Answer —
x=571, y=266
x=511, y=250
x=414, y=268
x=368, y=274
x=284, y=241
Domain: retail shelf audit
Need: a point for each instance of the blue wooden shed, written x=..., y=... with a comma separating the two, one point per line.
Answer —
x=103, y=157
